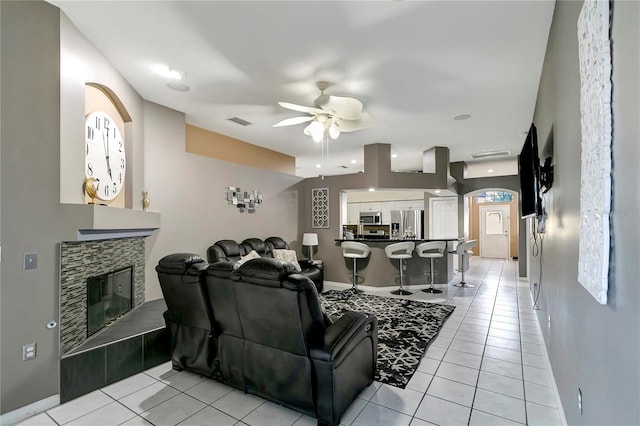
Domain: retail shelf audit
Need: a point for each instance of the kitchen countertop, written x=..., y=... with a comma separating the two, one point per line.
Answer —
x=394, y=240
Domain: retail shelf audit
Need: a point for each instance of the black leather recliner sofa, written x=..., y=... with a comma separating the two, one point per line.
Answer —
x=188, y=316
x=232, y=251
x=269, y=334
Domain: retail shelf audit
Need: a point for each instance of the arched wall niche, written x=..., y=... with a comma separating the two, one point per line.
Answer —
x=115, y=100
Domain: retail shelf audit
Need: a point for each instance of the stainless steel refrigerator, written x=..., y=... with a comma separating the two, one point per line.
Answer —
x=407, y=223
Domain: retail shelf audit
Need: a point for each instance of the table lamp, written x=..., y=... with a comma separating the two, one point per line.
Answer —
x=311, y=240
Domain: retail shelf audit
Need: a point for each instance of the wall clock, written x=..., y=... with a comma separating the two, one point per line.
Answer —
x=105, y=158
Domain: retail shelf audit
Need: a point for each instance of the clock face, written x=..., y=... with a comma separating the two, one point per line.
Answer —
x=105, y=159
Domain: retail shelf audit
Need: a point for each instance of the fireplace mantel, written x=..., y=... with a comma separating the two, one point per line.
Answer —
x=92, y=222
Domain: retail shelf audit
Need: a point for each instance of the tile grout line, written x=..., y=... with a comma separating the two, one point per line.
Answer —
x=475, y=391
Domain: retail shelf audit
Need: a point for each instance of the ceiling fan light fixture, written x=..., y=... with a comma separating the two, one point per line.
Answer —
x=316, y=129
x=334, y=131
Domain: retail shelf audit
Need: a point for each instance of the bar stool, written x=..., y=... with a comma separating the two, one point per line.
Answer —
x=463, y=250
x=355, y=250
x=400, y=251
x=431, y=250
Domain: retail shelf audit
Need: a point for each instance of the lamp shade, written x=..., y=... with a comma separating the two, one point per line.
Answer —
x=310, y=239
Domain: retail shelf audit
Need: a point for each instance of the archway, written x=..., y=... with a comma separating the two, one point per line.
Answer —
x=491, y=217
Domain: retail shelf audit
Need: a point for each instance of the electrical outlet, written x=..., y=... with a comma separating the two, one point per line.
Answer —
x=580, y=400
x=29, y=351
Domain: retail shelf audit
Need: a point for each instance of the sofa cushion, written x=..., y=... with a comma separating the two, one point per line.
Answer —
x=287, y=256
x=251, y=255
x=257, y=245
x=264, y=271
x=225, y=250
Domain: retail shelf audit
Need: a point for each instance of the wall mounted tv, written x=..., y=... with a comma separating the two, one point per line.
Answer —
x=529, y=172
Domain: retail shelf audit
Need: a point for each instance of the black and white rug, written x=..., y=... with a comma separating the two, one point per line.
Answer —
x=405, y=328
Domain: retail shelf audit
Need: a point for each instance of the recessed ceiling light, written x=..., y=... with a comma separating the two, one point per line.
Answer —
x=394, y=155
x=167, y=72
x=490, y=171
x=318, y=166
x=372, y=189
x=353, y=161
x=437, y=191
x=179, y=87
x=462, y=117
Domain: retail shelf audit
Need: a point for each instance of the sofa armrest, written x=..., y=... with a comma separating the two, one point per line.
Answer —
x=345, y=364
x=306, y=264
x=338, y=337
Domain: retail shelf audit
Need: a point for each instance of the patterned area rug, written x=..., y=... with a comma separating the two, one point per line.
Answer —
x=405, y=328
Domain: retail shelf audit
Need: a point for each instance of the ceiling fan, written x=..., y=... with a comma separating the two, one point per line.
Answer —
x=330, y=114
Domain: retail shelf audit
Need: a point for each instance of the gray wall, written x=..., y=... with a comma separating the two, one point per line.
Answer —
x=30, y=194
x=591, y=346
x=377, y=174
x=188, y=190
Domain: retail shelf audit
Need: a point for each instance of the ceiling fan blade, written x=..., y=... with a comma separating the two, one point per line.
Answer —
x=352, y=125
x=301, y=108
x=293, y=120
x=340, y=106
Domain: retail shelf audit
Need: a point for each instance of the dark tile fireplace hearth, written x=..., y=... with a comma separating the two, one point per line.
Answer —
x=95, y=277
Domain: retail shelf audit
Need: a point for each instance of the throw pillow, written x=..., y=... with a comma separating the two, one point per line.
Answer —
x=251, y=255
x=287, y=256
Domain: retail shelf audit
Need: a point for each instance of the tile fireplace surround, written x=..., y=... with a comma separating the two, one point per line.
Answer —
x=80, y=260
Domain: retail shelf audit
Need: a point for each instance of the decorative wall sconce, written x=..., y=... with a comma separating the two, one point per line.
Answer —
x=245, y=201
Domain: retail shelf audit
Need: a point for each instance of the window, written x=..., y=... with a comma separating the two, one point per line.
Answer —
x=494, y=197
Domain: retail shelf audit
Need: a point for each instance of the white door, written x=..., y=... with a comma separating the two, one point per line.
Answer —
x=443, y=217
x=494, y=231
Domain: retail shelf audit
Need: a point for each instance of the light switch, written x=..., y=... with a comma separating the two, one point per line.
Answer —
x=30, y=261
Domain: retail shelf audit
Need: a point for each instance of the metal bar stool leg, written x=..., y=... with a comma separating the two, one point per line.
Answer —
x=354, y=286
x=463, y=283
x=401, y=291
x=431, y=288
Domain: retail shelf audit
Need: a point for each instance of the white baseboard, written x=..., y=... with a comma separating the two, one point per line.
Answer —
x=23, y=413
x=563, y=418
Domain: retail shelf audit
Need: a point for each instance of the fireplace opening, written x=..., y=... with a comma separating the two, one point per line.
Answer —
x=109, y=296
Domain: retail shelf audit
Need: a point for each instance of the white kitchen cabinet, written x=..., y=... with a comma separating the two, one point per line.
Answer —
x=353, y=213
x=409, y=205
x=385, y=208
x=370, y=207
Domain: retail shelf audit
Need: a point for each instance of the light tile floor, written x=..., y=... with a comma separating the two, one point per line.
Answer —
x=488, y=366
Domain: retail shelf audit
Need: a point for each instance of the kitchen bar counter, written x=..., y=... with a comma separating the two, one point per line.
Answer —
x=395, y=240
x=378, y=269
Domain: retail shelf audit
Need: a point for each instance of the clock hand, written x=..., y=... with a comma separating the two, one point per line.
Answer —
x=106, y=152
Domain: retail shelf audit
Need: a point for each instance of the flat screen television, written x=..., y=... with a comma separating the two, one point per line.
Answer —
x=529, y=172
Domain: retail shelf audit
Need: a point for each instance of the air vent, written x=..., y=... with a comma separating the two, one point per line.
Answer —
x=489, y=154
x=240, y=121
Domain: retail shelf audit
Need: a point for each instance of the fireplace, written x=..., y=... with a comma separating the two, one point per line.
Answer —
x=107, y=273
x=109, y=296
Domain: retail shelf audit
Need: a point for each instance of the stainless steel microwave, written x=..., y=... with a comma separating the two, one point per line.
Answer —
x=371, y=217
